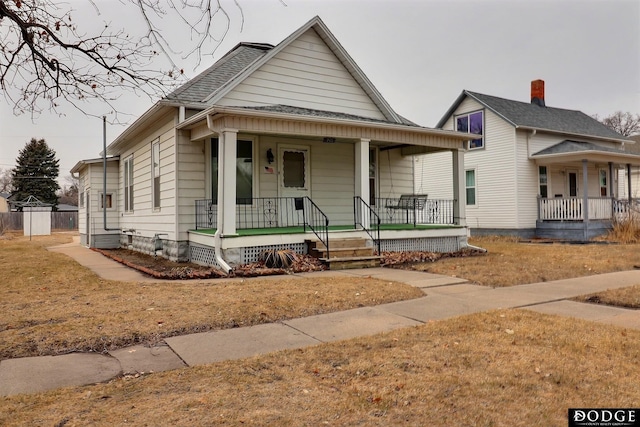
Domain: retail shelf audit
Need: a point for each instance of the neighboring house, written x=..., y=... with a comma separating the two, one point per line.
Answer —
x=533, y=170
x=631, y=187
x=271, y=147
x=4, y=204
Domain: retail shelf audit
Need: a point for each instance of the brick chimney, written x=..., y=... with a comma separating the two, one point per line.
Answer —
x=537, y=92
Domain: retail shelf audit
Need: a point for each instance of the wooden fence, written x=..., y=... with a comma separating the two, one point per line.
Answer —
x=59, y=220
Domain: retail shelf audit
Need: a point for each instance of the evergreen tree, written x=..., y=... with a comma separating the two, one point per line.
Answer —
x=36, y=173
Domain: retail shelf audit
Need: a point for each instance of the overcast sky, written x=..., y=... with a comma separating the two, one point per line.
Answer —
x=420, y=55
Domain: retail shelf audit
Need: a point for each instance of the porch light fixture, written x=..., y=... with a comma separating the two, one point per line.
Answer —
x=328, y=140
x=270, y=156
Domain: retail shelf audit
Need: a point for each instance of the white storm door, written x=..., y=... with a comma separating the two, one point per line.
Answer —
x=293, y=183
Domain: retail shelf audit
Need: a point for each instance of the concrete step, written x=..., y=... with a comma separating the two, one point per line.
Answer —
x=342, y=252
x=346, y=263
x=349, y=242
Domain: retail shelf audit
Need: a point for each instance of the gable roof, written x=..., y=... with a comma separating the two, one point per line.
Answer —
x=210, y=86
x=531, y=116
x=196, y=91
x=232, y=69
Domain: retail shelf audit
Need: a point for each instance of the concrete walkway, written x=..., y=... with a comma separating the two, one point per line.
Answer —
x=446, y=297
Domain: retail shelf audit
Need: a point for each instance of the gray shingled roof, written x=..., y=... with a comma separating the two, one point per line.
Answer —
x=287, y=109
x=528, y=115
x=201, y=87
x=568, y=147
x=633, y=148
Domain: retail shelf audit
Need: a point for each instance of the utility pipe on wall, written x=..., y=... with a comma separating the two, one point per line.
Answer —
x=104, y=176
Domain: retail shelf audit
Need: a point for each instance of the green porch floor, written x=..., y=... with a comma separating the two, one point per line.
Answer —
x=299, y=230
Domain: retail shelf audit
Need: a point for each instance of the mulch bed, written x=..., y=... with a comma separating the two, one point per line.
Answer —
x=162, y=268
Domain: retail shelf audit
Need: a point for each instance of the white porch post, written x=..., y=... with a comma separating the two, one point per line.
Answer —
x=585, y=199
x=610, y=181
x=362, y=177
x=629, y=182
x=227, y=181
x=459, y=189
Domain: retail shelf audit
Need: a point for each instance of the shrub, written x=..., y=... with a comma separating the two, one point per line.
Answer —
x=278, y=258
x=626, y=229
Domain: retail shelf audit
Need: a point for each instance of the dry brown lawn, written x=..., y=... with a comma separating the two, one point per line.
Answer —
x=500, y=368
x=50, y=305
x=509, y=262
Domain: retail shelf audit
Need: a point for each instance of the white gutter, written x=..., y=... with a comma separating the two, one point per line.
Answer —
x=591, y=137
x=217, y=237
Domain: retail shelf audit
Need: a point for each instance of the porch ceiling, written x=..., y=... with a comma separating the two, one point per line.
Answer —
x=214, y=120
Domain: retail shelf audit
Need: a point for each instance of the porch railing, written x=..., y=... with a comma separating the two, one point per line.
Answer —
x=572, y=208
x=269, y=212
x=361, y=207
x=394, y=210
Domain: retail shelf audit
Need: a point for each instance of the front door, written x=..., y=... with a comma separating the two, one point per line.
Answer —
x=572, y=183
x=294, y=183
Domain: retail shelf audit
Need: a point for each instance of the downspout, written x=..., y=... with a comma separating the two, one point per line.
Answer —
x=217, y=238
x=104, y=176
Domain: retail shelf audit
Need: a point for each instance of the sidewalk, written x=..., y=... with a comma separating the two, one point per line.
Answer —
x=446, y=297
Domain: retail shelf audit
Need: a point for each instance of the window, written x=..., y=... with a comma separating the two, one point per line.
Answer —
x=542, y=178
x=244, y=171
x=155, y=173
x=470, y=184
x=603, y=183
x=81, y=199
x=109, y=199
x=472, y=123
x=293, y=175
x=128, y=184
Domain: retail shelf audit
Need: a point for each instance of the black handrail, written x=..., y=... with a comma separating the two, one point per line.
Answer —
x=360, y=206
x=269, y=212
x=316, y=220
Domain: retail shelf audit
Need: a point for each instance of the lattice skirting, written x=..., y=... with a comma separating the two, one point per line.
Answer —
x=203, y=255
x=206, y=255
x=251, y=254
x=426, y=244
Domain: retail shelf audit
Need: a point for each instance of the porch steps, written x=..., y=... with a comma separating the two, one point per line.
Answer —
x=345, y=253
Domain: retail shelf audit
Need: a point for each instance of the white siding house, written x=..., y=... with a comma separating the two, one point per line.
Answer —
x=275, y=146
x=533, y=170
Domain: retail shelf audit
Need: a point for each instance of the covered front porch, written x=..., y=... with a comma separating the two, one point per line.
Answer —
x=579, y=188
x=315, y=177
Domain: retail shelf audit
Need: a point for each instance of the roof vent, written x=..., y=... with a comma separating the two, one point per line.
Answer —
x=537, y=93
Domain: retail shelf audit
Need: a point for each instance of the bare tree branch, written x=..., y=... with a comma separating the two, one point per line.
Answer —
x=625, y=124
x=46, y=60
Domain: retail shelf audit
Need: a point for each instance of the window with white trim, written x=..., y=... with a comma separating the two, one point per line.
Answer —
x=543, y=181
x=603, y=182
x=109, y=200
x=155, y=173
x=470, y=186
x=128, y=184
x=244, y=171
x=472, y=123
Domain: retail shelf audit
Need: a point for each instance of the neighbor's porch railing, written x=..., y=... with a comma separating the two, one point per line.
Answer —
x=571, y=208
x=269, y=212
x=395, y=210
